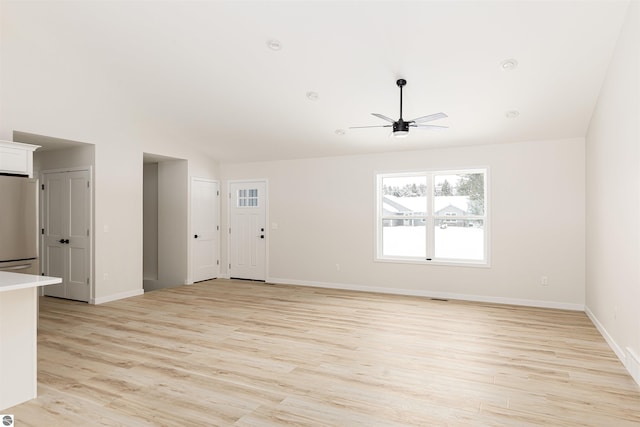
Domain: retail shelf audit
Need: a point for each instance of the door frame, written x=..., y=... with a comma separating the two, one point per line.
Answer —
x=266, y=222
x=190, y=280
x=91, y=261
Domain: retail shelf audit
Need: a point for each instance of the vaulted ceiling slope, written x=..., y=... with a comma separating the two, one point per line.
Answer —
x=203, y=72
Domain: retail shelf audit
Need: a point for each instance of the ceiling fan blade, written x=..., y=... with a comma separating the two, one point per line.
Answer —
x=380, y=116
x=429, y=118
x=432, y=127
x=363, y=127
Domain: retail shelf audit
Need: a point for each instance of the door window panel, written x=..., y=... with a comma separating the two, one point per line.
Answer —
x=248, y=197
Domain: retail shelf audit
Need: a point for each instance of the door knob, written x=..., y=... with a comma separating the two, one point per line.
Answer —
x=64, y=241
x=262, y=236
x=61, y=241
x=195, y=236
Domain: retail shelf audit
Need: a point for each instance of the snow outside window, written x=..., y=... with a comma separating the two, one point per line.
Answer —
x=433, y=217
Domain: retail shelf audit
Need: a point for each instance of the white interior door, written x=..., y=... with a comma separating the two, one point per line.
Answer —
x=205, y=229
x=66, y=233
x=247, y=231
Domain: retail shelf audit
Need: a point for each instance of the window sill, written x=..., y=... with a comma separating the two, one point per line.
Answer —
x=420, y=261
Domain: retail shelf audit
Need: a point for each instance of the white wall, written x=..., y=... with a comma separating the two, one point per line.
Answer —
x=613, y=201
x=324, y=209
x=173, y=220
x=70, y=101
x=150, y=222
x=64, y=158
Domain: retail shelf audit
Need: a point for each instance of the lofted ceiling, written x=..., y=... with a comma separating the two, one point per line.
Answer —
x=203, y=74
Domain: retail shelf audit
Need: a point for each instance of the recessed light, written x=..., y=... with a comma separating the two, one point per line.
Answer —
x=312, y=96
x=340, y=132
x=274, y=44
x=512, y=114
x=509, y=64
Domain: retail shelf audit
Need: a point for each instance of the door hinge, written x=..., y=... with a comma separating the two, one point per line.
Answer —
x=229, y=230
x=42, y=186
x=42, y=231
x=87, y=232
x=87, y=280
x=217, y=228
x=229, y=266
x=217, y=262
x=229, y=195
x=88, y=184
x=217, y=193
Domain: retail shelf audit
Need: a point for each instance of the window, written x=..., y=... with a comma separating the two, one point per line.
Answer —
x=247, y=198
x=433, y=217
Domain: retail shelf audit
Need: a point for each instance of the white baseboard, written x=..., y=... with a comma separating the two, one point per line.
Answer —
x=114, y=297
x=629, y=359
x=608, y=338
x=431, y=294
x=633, y=365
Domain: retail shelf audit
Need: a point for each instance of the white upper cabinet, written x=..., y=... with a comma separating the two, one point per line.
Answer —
x=17, y=158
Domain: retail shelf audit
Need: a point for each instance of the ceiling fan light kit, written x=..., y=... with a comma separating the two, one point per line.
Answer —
x=401, y=127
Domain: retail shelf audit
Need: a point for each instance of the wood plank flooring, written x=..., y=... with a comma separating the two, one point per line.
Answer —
x=234, y=353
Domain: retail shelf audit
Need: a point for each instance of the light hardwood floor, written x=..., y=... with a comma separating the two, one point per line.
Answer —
x=233, y=353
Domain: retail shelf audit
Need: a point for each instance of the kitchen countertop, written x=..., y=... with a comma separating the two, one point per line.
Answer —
x=14, y=281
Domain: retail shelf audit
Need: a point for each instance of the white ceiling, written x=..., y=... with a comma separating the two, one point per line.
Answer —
x=201, y=73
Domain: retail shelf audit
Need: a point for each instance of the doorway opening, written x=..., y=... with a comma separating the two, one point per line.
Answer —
x=165, y=222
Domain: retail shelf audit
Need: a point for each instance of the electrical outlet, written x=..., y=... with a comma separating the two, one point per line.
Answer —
x=544, y=281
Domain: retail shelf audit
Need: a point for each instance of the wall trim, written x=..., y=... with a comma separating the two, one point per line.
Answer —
x=629, y=359
x=114, y=297
x=431, y=294
x=608, y=338
x=633, y=365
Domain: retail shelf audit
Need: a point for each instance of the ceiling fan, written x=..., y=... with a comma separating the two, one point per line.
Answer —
x=400, y=126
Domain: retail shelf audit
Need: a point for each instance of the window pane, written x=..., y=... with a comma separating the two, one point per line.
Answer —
x=459, y=194
x=248, y=198
x=402, y=196
x=462, y=239
x=403, y=237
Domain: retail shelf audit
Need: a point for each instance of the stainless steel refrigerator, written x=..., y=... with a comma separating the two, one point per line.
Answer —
x=19, y=225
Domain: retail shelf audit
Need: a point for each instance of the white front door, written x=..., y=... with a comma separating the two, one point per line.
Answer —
x=205, y=229
x=66, y=204
x=247, y=231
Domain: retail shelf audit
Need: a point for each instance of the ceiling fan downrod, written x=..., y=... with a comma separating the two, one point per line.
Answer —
x=401, y=83
x=401, y=128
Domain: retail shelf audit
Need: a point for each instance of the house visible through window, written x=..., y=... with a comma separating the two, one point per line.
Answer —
x=433, y=217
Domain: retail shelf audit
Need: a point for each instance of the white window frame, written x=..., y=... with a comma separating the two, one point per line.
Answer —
x=429, y=218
